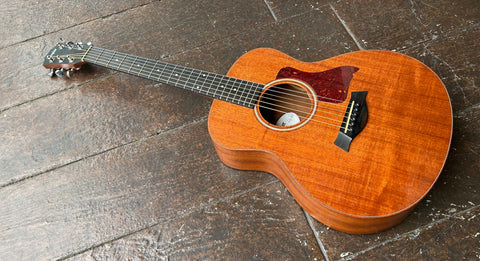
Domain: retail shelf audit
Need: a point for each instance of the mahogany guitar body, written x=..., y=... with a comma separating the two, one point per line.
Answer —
x=390, y=166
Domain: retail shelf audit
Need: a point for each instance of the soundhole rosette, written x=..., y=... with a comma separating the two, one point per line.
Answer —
x=285, y=96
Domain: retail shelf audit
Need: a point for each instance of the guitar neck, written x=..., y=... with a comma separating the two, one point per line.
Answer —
x=217, y=86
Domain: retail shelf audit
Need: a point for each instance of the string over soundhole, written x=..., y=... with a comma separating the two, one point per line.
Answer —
x=286, y=104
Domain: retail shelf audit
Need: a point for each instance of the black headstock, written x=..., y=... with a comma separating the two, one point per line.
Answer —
x=66, y=56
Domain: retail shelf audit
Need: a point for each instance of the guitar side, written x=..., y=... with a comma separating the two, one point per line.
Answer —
x=392, y=163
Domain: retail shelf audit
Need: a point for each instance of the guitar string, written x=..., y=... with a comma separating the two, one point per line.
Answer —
x=113, y=53
x=148, y=61
x=266, y=107
x=306, y=102
x=288, y=109
x=269, y=108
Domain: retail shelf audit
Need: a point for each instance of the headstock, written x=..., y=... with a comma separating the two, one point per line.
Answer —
x=67, y=57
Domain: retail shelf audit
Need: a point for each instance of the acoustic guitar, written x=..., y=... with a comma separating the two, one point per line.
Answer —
x=358, y=139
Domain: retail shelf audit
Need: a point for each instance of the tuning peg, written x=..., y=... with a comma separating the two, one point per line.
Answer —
x=59, y=72
x=51, y=72
x=69, y=73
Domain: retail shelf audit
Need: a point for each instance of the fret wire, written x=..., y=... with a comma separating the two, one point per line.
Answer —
x=239, y=89
x=109, y=60
x=99, y=55
x=242, y=91
x=161, y=73
x=204, y=78
x=211, y=83
x=234, y=91
x=143, y=66
x=187, y=81
x=245, y=93
x=223, y=85
x=246, y=96
x=255, y=91
x=132, y=64
x=153, y=68
x=196, y=79
x=171, y=74
x=179, y=75
x=125, y=56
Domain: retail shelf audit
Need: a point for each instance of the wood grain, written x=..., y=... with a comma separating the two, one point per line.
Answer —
x=124, y=190
x=394, y=161
x=247, y=227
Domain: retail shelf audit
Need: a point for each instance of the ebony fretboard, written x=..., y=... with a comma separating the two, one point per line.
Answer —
x=217, y=86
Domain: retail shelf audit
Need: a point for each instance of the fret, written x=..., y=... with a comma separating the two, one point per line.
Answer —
x=203, y=76
x=171, y=74
x=214, y=85
x=153, y=68
x=132, y=64
x=111, y=57
x=250, y=95
x=211, y=82
x=125, y=56
x=143, y=66
x=223, y=95
x=179, y=75
x=243, y=88
x=187, y=82
x=195, y=82
x=234, y=91
x=161, y=73
x=99, y=55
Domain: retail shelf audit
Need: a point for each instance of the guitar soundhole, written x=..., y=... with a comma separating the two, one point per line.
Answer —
x=286, y=104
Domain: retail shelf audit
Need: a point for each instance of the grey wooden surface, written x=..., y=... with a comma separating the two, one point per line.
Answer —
x=106, y=166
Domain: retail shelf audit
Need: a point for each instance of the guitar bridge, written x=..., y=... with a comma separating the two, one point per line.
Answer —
x=354, y=121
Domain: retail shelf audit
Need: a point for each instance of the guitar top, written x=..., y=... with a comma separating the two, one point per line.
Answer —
x=390, y=165
x=358, y=139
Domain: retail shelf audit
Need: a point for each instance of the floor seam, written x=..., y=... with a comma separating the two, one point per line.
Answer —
x=315, y=234
x=416, y=232
x=357, y=43
x=69, y=27
x=156, y=133
x=271, y=10
x=182, y=214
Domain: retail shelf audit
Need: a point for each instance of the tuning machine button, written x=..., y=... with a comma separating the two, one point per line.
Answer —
x=59, y=72
x=69, y=73
x=51, y=72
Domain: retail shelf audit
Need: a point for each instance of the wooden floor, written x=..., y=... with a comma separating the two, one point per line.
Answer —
x=106, y=166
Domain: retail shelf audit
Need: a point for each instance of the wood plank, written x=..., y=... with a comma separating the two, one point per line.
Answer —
x=79, y=120
x=262, y=224
x=454, y=57
x=456, y=238
x=156, y=30
x=101, y=198
x=69, y=126
x=285, y=9
x=396, y=25
x=36, y=18
x=100, y=124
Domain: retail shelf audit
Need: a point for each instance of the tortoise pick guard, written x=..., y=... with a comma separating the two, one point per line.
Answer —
x=330, y=85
